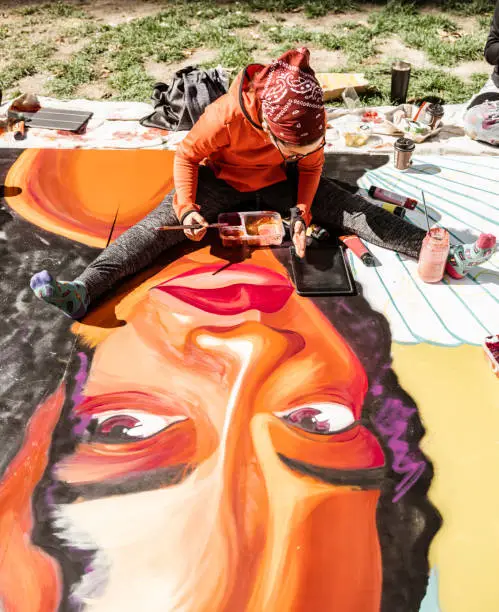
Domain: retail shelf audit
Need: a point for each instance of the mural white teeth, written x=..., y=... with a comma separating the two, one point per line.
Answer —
x=141, y=546
x=93, y=581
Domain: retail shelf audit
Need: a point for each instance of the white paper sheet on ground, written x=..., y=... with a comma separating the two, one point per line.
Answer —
x=124, y=111
x=462, y=221
x=462, y=196
x=466, y=205
x=102, y=134
x=451, y=140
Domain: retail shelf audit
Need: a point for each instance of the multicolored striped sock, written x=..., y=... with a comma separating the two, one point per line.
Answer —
x=70, y=297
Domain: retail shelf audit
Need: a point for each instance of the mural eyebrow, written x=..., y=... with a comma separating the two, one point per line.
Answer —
x=140, y=482
x=364, y=478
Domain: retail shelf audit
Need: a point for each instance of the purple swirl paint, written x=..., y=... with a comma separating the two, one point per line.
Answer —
x=77, y=397
x=392, y=421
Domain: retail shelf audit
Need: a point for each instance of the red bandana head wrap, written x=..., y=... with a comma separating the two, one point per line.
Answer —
x=291, y=98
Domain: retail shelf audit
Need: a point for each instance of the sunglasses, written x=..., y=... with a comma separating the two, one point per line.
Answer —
x=296, y=156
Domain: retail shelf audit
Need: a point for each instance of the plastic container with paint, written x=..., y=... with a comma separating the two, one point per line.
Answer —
x=262, y=228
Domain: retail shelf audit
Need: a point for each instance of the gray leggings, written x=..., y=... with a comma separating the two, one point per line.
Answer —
x=332, y=206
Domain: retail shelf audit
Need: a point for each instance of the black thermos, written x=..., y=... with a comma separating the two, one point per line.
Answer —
x=401, y=71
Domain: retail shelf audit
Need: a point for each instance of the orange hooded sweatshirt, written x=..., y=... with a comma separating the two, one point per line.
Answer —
x=230, y=140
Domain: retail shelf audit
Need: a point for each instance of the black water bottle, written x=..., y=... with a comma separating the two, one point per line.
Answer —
x=401, y=71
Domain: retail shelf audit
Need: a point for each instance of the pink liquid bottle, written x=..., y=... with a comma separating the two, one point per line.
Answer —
x=433, y=256
x=434, y=252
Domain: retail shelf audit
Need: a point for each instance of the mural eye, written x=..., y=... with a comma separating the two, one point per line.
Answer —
x=319, y=418
x=130, y=426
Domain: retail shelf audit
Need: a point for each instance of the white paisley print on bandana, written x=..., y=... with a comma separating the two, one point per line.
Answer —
x=284, y=79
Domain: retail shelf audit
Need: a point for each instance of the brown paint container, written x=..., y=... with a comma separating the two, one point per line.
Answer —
x=403, y=150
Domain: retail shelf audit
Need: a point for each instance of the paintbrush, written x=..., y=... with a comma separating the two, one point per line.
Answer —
x=426, y=212
x=194, y=226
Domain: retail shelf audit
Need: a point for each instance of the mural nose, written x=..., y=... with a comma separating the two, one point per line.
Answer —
x=251, y=351
x=278, y=519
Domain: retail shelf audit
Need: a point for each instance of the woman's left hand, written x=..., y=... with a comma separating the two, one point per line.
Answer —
x=300, y=238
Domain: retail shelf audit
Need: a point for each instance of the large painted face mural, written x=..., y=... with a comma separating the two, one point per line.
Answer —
x=236, y=425
x=210, y=441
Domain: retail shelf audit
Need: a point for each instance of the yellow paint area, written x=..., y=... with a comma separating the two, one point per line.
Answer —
x=458, y=398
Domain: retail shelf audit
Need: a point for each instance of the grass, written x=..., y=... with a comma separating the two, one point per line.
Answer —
x=68, y=76
x=166, y=37
x=235, y=55
x=468, y=8
x=134, y=83
x=403, y=19
x=357, y=42
x=119, y=55
x=24, y=64
x=311, y=8
x=463, y=49
x=427, y=32
x=52, y=9
x=83, y=30
x=423, y=83
x=483, y=22
x=319, y=8
x=431, y=33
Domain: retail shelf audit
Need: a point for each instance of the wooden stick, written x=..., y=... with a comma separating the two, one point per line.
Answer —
x=195, y=226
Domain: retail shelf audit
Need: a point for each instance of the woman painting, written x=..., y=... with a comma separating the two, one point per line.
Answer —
x=237, y=153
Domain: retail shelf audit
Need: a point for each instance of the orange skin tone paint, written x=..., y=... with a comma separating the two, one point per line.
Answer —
x=30, y=580
x=76, y=193
x=296, y=542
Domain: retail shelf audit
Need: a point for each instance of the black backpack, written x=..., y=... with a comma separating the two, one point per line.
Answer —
x=179, y=105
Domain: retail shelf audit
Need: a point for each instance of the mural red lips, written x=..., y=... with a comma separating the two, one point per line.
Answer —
x=231, y=291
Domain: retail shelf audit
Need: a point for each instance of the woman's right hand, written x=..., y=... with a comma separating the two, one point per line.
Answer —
x=195, y=218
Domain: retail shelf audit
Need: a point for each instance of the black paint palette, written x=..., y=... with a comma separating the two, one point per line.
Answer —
x=323, y=271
